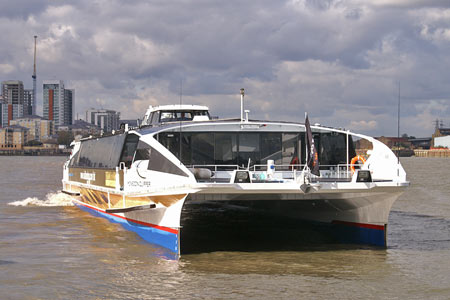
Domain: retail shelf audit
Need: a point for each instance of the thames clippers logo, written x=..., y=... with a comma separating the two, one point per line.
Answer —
x=139, y=183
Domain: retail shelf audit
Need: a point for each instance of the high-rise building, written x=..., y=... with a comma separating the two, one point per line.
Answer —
x=69, y=96
x=58, y=102
x=107, y=120
x=13, y=96
x=28, y=102
x=1, y=110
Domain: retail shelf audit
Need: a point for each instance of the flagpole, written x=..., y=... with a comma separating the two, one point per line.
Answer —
x=306, y=142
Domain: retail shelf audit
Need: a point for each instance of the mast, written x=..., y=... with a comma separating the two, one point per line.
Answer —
x=34, y=80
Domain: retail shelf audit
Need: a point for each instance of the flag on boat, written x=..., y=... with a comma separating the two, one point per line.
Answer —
x=313, y=157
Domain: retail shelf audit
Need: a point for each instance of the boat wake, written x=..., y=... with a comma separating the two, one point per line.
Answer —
x=51, y=199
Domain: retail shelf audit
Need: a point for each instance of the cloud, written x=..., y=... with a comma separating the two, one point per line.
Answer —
x=364, y=125
x=341, y=61
x=6, y=68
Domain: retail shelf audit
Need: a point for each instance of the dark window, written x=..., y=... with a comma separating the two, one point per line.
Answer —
x=99, y=153
x=226, y=149
x=271, y=147
x=291, y=149
x=155, y=118
x=249, y=149
x=157, y=161
x=171, y=140
x=129, y=148
x=333, y=148
x=202, y=148
x=186, y=151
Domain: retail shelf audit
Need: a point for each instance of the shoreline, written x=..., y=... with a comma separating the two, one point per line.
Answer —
x=49, y=152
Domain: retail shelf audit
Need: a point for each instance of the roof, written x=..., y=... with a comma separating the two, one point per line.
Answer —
x=177, y=107
x=31, y=117
x=420, y=140
x=81, y=124
x=444, y=131
x=51, y=141
x=130, y=122
x=16, y=128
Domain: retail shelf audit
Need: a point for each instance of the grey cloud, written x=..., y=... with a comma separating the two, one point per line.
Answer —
x=327, y=57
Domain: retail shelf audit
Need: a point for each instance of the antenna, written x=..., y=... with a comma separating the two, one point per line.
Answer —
x=33, y=108
x=181, y=101
x=242, y=104
x=181, y=91
x=398, y=125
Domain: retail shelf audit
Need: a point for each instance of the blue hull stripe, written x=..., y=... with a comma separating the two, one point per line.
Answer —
x=153, y=235
x=348, y=232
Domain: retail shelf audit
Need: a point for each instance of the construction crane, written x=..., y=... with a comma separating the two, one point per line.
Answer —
x=34, y=79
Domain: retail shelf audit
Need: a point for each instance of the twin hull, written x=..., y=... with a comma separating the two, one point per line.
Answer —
x=363, y=210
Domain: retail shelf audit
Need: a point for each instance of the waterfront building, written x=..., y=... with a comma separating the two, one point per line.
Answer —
x=13, y=101
x=420, y=143
x=439, y=132
x=39, y=128
x=442, y=142
x=13, y=137
x=395, y=142
x=107, y=120
x=58, y=102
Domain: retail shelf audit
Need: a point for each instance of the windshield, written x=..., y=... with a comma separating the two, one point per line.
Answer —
x=172, y=116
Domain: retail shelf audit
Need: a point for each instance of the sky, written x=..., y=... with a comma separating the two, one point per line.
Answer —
x=344, y=62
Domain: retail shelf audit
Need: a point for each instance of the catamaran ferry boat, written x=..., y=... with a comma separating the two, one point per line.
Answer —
x=142, y=177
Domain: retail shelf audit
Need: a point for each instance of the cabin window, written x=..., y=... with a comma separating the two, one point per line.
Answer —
x=249, y=148
x=155, y=118
x=333, y=148
x=167, y=116
x=143, y=151
x=99, y=153
x=129, y=148
x=186, y=150
x=186, y=115
x=230, y=148
x=157, y=161
x=271, y=147
x=226, y=149
x=291, y=149
x=203, y=148
x=171, y=140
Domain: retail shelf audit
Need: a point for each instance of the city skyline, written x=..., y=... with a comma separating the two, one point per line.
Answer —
x=341, y=62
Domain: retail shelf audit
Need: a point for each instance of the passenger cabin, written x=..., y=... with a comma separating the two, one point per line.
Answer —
x=220, y=150
x=225, y=150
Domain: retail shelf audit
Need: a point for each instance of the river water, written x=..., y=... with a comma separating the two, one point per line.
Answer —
x=52, y=250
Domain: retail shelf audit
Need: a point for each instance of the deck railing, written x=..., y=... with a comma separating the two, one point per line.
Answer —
x=282, y=171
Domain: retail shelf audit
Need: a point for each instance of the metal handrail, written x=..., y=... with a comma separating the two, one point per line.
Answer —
x=339, y=170
x=231, y=167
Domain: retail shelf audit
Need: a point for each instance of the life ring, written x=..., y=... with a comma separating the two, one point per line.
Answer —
x=354, y=160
